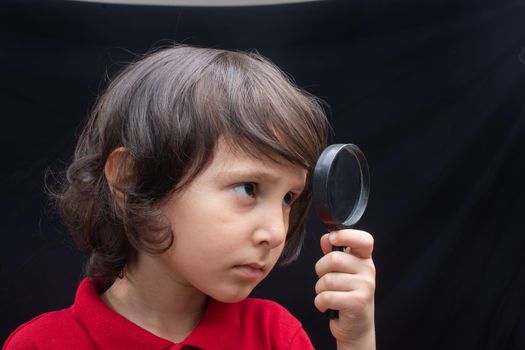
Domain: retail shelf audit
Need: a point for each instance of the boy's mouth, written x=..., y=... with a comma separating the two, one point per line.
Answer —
x=251, y=271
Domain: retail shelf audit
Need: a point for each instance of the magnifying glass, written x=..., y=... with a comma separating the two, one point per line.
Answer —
x=341, y=185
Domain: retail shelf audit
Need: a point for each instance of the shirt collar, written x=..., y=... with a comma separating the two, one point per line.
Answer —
x=218, y=327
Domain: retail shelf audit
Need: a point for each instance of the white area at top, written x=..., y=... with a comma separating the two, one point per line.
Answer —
x=199, y=2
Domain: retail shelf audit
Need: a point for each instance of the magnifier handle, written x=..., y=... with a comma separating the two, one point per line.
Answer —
x=334, y=313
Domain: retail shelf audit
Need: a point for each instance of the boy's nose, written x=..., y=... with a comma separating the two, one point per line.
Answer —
x=272, y=228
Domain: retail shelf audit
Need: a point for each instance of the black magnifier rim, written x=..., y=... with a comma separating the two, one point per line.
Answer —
x=321, y=175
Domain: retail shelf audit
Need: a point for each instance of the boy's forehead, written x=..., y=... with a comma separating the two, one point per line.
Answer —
x=229, y=151
x=232, y=158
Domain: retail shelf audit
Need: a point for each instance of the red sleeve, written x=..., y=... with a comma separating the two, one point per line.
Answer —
x=267, y=325
x=53, y=330
x=20, y=339
x=301, y=341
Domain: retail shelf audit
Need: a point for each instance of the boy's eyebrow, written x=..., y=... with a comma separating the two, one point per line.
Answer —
x=259, y=175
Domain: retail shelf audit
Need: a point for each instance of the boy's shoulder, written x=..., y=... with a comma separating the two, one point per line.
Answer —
x=59, y=327
x=266, y=308
x=268, y=320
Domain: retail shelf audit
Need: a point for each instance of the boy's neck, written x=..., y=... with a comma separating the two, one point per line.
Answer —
x=156, y=303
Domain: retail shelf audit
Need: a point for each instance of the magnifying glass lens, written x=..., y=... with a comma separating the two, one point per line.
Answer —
x=344, y=185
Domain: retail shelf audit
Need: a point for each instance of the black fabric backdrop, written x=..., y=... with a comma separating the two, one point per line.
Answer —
x=433, y=92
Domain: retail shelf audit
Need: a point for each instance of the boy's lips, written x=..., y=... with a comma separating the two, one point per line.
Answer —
x=252, y=270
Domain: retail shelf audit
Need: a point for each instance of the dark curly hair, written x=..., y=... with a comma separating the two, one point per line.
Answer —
x=168, y=111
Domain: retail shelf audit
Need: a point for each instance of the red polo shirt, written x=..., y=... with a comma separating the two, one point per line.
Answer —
x=90, y=324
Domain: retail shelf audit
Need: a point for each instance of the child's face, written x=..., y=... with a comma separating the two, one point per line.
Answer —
x=230, y=223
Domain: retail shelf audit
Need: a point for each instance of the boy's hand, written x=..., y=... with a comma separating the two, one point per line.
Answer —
x=347, y=283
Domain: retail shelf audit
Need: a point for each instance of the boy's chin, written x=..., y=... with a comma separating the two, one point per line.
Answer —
x=233, y=296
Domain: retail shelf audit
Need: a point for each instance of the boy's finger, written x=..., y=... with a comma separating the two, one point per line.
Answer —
x=345, y=263
x=337, y=281
x=354, y=301
x=361, y=243
x=326, y=246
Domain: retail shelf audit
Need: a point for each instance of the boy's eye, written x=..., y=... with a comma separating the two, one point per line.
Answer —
x=246, y=190
x=289, y=198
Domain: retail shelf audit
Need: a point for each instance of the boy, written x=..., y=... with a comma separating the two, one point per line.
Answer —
x=189, y=183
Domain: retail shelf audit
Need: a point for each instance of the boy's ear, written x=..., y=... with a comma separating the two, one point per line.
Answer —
x=119, y=173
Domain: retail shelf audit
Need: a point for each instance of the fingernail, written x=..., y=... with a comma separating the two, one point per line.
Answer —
x=331, y=237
